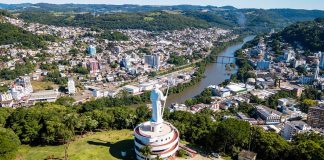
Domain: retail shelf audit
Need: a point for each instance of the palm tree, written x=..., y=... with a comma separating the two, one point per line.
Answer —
x=146, y=151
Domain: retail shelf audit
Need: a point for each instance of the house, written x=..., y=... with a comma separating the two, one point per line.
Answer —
x=270, y=116
x=8, y=103
x=132, y=89
x=294, y=127
x=247, y=119
x=44, y=96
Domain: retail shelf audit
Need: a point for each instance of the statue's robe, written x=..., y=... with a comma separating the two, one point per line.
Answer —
x=156, y=98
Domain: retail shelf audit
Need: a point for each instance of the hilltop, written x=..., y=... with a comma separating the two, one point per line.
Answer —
x=157, y=18
x=308, y=34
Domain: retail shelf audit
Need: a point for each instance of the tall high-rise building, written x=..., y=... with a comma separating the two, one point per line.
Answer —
x=316, y=72
x=91, y=50
x=153, y=60
x=125, y=62
x=148, y=59
x=157, y=61
x=321, y=65
x=94, y=66
x=71, y=86
x=315, y=117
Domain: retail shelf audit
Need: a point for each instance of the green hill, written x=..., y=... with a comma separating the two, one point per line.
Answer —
x=309, y=34
x=10, y=34
x=153, y=21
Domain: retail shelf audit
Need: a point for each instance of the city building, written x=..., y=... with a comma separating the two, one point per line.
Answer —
x=71, y=86
x=44, y=96
x=91, y=50
x=160, y=136
x=153, y=60
x=263, y=65
x=132, y=89
x=97, y=93
x=294, y=127
x=306, y=79
x=21, y=88
x=288, y=55
x=148, y=59
x=94, y=66
x=322, y=61
x=237, y=88
x=242, y=116
x=5, y=97
x=221, y=92
x=25, y=82
x=316, y=74
x=147, y=86
x=300, y=62
x=268, y=115
x=315, y=117
x=6, y=100
x=157, y=61
x=125, y=62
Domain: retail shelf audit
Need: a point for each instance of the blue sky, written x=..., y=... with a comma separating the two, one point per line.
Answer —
x=299, y=4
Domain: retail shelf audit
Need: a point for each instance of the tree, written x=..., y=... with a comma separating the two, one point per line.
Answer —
x=181, y=153
x=269, y=145
x=307, y=150
x=114, y=36
x=65, y=101
x=25, y=123
x=307, y=146
x=4, y=114
x=232, y=134
x=306, y=104
x=146, y=151
x=152, y=74
x=246, y=108
x=255, y=99
x=9, y=143
x=73, y=52
x=142, y=113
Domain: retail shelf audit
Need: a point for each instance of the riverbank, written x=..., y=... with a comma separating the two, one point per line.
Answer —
x=213, y=73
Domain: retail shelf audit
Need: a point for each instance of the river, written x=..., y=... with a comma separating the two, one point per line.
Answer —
x=215, y=74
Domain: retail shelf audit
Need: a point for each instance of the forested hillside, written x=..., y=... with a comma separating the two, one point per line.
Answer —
x=309, y=34
x=10, y=34
x=153, y=21
x=167, y=18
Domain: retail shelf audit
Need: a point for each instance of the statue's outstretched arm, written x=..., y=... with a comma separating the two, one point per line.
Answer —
x=163, y=98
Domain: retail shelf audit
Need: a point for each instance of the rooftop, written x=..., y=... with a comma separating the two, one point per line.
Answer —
x=145, y=129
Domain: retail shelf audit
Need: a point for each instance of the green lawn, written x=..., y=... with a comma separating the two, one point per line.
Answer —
x=99, y=146
x=37, y=85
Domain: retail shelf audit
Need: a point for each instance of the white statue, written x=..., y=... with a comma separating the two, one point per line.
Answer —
x=156, y=98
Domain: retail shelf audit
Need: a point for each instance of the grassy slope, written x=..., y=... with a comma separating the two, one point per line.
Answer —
x=99, y=146
x=37, y=85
